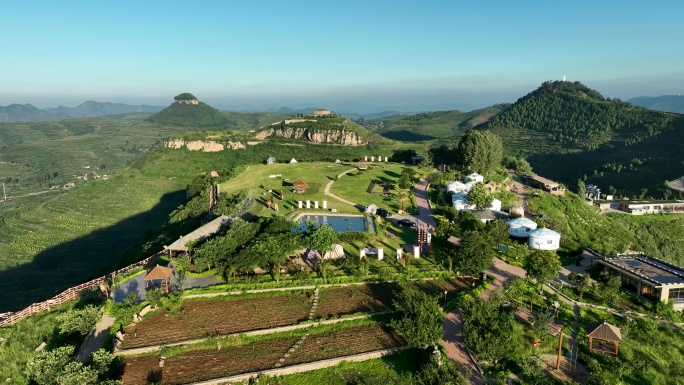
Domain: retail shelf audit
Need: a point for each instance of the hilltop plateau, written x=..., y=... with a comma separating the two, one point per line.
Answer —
x=188, y=111
x=312, y=128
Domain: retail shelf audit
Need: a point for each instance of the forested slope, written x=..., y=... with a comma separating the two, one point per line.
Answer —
x=567, y=131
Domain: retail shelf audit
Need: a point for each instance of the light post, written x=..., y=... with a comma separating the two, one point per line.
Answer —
x=445, y=295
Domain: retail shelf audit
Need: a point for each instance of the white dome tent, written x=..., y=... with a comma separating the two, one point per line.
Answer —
x=544, y=239
x=336, y=253
x=521, y=227
x=371, y=209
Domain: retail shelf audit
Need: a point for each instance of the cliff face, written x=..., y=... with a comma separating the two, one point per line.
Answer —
x=203, y=145
x=347, y=138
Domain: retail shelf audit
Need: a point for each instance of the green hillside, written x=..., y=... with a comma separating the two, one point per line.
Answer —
x=35, y=156
x=198, y=115
x=430, y=125
x=567, y=131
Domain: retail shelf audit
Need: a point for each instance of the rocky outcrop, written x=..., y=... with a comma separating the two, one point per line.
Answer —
x=204, y=145
x=347, y=138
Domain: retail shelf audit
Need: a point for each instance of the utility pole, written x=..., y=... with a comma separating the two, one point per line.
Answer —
x=4, y=192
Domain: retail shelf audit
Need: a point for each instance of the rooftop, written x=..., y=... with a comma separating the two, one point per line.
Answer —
x=648, y=268
x=490, y=215
x=636, y=202
x=543, y=180
x=605, y=331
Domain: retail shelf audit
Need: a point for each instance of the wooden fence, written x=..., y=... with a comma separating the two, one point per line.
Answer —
x=7, y=319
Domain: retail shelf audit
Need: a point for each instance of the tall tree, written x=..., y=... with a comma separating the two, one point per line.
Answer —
x=322, y=239
x=475, y=255
x=542, y=265
x=581, y=188
x=488, y=327
x=479, y=151
x=421, y=322
x=480, y=197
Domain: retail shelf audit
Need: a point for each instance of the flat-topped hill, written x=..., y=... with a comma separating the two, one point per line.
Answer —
x=317, y=129
x=187, y=110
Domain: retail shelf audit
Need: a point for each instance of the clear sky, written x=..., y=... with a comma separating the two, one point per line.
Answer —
x=382, y=53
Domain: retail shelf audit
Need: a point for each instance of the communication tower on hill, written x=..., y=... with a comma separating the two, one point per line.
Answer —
x=563, y=77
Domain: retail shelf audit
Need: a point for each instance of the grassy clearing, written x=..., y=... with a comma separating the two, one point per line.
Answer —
x=355, y=186
x=316, y=175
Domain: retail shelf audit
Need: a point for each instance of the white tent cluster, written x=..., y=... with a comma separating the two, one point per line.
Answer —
x=461, y=189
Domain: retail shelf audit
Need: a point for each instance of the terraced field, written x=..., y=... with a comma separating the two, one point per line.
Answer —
x=337, y=301
x=205, y=318
x=205, y=364
x=345, y=342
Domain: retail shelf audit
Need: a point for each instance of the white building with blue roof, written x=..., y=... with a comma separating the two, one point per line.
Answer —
x=544, y=239
x=521, y=227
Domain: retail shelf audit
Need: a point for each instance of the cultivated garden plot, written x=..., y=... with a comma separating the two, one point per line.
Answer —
x=204, y=364
x=371, y=298
x=218, y=316
x=344, y=342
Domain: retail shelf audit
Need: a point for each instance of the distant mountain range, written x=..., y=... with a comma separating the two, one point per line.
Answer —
x=668, y=103
x=18, y=113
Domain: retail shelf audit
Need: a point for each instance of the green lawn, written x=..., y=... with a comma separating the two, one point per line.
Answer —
x=354, y=186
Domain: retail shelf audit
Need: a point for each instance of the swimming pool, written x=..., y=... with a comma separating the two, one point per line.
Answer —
x=339, y=223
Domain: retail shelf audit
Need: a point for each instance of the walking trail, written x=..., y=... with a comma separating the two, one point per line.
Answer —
x=328, y=193
x=96, y=338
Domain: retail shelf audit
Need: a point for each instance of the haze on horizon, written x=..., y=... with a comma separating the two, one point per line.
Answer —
x=386, y=54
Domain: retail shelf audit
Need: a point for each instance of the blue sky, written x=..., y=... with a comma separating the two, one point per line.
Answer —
x=379, y=53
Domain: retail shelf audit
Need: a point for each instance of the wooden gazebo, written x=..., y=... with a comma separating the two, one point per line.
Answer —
x=160, y=274
x=600, y=337
x=299, y=186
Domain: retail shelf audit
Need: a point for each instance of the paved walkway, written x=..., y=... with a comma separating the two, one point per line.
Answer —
x=327, y=192
x=425, y=215
x=96, y=338
x=452, y=338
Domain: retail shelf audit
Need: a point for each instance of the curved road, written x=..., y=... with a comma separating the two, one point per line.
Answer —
x=452, y=325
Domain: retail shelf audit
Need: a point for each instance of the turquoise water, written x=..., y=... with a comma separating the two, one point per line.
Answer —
x=341, y=224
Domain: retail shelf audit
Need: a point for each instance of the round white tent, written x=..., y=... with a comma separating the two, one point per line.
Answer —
x=521, y=227
x=544, y=239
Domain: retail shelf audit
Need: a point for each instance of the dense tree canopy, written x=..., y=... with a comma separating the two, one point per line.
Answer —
x=476, y=254
x=421, y=322
x=542, y=265
x=480, y=197
x=488, y=326
x=480, y=152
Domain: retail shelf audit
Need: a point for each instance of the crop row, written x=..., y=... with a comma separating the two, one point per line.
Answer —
x=215, y=317
x=204, y=364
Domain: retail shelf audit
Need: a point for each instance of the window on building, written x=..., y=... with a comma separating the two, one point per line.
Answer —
x=656, y=207
x=677, y=295
x=646, y=207
x=549, y=241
